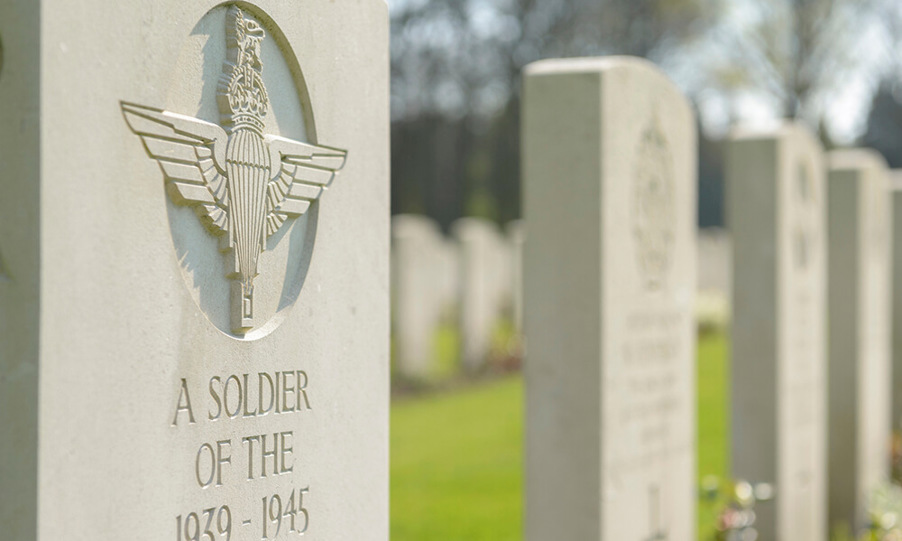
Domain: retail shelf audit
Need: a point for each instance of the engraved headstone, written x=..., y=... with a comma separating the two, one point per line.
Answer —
x=482, y=276
x=776, y=185
x=609, y=163
x=859, y=303
x=417, y=303
x=194, y=224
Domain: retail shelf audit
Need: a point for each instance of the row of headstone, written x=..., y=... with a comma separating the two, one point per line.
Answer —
x=470, y=279
x=811, y=366
x=424, y=281
x=169, y=330
x=473, y=279
x=609, y=184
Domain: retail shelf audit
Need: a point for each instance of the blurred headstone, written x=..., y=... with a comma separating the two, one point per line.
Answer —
x=516, y=238
x=896, y=191
x=714, y=263
x=417, y=273
x=860, y=224
x=447, y=279
x=174, y=353
x=777, y=209
x=609, y=164
x=482, y=271
x=714, y=278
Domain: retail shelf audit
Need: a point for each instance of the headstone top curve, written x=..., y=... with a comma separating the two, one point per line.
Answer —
x=786, y=128
x=856, y=159
x=602, y=65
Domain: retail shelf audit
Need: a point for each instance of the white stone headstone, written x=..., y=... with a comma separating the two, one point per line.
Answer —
x=776, y=186
x=194, y=227
x=860, y=225
x=447, y=279
x=516, y=238
x=609, y=168
x=712, y=303
x=714, y=261
x=483, y=270
x=417, y=267
x=896, y=190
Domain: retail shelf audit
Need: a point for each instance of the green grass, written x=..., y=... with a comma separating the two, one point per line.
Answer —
x=713, y=422
x=456, y=466
x=456, y=463
x=445, y=352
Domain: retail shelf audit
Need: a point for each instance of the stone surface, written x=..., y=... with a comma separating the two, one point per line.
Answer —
x=484, y=271
x=21, y=254
x=712, y=304
x=447, y=280
x=715, y=250
x=860, y=225
x=144, y=182
x=609, y=163
x=896, y=188
x=516, y=238
x=776, y=186
x=418, y=275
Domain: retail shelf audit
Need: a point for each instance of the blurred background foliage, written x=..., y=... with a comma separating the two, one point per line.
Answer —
x=834, y=64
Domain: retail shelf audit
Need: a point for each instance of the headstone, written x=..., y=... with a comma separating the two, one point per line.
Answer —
x=194, y=229
x=859, y=261
x=609, y=163
x=417, y=262
x=896, y=188
x=714, y=263
x=516, y=238
x=714, y=279
x=447, y=279
x=20, y=265
x=482, y=269
x=776, y=186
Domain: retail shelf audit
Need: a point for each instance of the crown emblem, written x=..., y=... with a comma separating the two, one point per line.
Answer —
x=243, y=184
x=653, y=206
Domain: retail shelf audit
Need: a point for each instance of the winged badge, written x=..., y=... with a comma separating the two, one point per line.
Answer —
x=244, y=185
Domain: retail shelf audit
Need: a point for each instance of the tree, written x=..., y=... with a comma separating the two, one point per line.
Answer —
x=455, y=85
x=793, y=52
x=884, y=129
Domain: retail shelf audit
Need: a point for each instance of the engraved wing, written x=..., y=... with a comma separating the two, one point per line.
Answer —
x=302, y=172
x=191, y=154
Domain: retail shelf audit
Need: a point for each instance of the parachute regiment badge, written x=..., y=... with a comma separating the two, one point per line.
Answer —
x=243, y=185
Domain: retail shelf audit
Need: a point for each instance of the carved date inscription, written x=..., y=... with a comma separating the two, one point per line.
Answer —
x=652, y=397
x=244, y=458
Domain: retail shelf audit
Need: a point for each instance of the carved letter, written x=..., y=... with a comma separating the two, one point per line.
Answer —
x=302, y=390
x=183, y=392
x=215, y=396
x=287, y=389
x=272, y=393
x=247, y=394
x=287, y=448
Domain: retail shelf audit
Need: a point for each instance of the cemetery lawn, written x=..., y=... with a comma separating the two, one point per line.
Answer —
x=457, y=461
